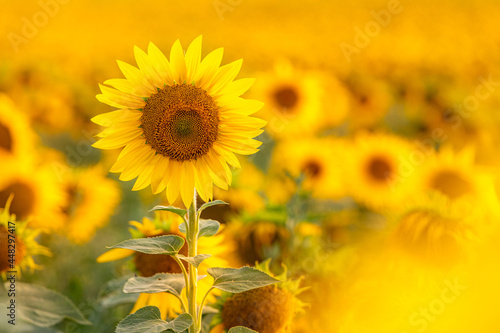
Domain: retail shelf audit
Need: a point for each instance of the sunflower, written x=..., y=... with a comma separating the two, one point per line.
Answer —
x=297, y=100
x=369, y=101
x=256, y=239
x=26, y=246
x=269, y=309
x=37, y=194
x=166, y=223
x=456, y=176
x=92, y=199
x=42, y=91
x=16, y=136
x=436, y=231
x=317, y=159
x=374, y=170
x=180, y=121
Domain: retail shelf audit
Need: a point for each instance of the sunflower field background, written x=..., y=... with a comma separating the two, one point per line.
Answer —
x=374, y=194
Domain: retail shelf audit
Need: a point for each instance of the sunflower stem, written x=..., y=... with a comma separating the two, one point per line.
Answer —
x=186, y=279
x=192, y=240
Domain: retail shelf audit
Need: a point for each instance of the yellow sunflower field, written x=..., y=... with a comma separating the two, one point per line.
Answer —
x=235, y=166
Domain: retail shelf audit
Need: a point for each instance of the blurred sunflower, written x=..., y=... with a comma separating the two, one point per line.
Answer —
x=296, y=100
x=373, y=172
x=181, y=122
x=92, y=198
x=26, y=246
x=442, y=109
x=456, y=176
x=317, y=160
x=436, y=231
x=37, y=194
x=255, y=240
x=166, y=223
x=16, y=136
x=370, y=101
x=269, y=309
x=42, y=91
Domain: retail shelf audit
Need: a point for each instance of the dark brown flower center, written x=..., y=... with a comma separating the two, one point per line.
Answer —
x=5, y=138
x=286, y=97
x=451, y=184
x=265, y=310
x=312, y=169
x=150, y=264
x=24, y=199
x=75, y=199
x=256, y=239
x=380, y=169
x=180, y=122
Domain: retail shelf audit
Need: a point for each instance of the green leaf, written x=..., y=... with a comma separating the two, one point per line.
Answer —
x=238, y=280
x=160, y=282
x=43, y=307
x=148, y=320
x=169, y=244
x=196, y=260
x=210, y=204
x=208, y=228
x=241, y=329
x=179, y=211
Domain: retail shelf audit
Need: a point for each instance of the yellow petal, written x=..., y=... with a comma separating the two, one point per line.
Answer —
x=119, y=99
x=228, y=155
x=239, y=106
x=138, y=162
x=128, y=87
x=177, y=62
x=135, y=76
x=187, y=183
x=173, y=181
x=225, y=74
x=117, y=141
x=208, y=68
x=114, y=254
x=158, y=178
x=236, y=88
x=144, y=65
x=193, y=58
x=218, y=171
x=118, y=129
x=243, y=147
x=123, y=115
x=122, y=159
x=202, y=181
x=160, y=64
